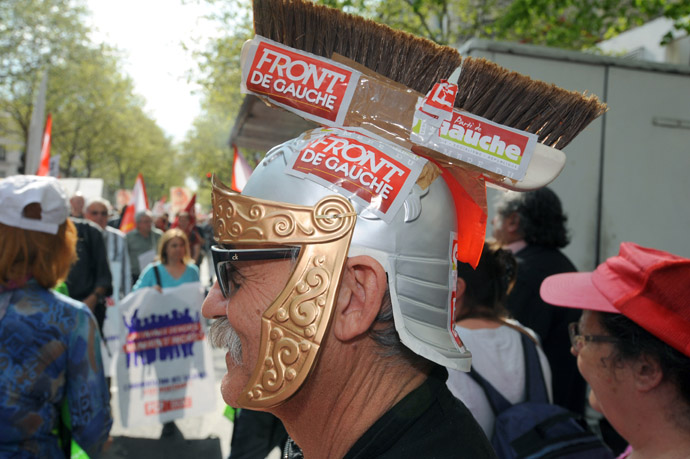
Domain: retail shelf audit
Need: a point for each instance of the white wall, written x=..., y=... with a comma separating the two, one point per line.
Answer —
x=646, y=192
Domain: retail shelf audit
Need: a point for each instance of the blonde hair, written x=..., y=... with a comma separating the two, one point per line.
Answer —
x=46, y=257
x=165, y=240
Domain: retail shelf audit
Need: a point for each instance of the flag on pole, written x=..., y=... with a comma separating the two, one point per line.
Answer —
x=54, y=166
x=33, y=140
x=240, y=171
x=137, y=202
x=159, y=208
x=189, y=208
x=44, y=165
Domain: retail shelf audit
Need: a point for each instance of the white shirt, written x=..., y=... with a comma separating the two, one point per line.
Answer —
x=498, y=356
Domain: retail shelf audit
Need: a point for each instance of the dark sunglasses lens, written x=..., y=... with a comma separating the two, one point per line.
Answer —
x=227, y=261
x=222, y=275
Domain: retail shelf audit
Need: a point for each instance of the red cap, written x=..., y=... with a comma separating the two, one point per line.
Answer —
x=650, y=287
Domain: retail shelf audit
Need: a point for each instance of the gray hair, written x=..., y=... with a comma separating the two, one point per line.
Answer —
x=390, y=349
x=542, y=221
x=141, y=214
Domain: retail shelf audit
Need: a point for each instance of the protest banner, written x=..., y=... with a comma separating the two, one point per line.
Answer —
x=164, y=369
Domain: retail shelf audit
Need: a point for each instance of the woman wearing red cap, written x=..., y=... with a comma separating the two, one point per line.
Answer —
x=633, y=345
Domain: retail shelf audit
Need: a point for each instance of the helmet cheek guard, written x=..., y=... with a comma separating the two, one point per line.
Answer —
x=294, y=325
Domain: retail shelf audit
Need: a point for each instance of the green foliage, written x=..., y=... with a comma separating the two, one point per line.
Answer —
x=582, y=23
x=100, y=128
x=37, y=33
x=205, y=149
x=571, y=24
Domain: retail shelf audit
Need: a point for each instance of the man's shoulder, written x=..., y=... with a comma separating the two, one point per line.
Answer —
x=157, y=233
x=84, y=226
x=548, y=260
x=133, y=234
x=428, y=422
x=114, y=232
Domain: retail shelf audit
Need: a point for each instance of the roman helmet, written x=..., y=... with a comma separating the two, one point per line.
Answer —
x=378, y=179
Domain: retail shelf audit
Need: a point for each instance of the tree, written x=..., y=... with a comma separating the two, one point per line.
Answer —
x=219, y=73
x=100, y=128
x=581, y=24
x=35, y=34
x=571, y=24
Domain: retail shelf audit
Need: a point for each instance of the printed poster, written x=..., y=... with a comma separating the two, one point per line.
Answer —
x=164, y=369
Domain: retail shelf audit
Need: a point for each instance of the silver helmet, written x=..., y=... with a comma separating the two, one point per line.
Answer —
x=415, y=246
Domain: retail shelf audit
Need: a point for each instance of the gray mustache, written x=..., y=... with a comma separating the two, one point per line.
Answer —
x=223, y=336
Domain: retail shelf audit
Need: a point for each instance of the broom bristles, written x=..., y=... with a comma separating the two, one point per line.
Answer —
x=484, y=89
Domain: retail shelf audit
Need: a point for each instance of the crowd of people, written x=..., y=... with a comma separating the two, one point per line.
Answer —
x=64, y=265
x=630, y=344
x=363, y=315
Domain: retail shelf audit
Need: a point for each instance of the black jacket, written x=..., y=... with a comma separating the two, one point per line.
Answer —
x=535, y=264
x=91, y=268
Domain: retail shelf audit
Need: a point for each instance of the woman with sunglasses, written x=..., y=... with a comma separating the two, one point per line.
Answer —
x=175, y=267
x=632, y=345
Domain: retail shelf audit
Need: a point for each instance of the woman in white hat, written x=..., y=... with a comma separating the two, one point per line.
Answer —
x=51, y=376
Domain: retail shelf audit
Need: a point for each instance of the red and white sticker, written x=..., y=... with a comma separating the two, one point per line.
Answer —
x=311, y=86
x=478, y=141
x=374, y=173
x=437, y=105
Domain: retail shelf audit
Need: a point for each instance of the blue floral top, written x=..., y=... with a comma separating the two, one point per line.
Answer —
x=49, y=352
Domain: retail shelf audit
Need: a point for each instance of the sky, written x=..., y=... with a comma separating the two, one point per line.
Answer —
x=149, y=34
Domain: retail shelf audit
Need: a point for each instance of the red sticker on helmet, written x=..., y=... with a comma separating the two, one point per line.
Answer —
x=311, y=86
x=375, y=173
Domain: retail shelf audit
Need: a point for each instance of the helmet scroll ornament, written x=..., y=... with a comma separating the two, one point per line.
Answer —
x=293, y=326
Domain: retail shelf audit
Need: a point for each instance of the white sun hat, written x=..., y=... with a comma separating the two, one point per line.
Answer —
x=18, y=191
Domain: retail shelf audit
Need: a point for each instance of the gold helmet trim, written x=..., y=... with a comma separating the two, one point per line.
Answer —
x=294, y=325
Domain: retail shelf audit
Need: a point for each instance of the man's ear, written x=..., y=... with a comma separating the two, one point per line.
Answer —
x=362, y=288
x=647, y=372
x=460, y=287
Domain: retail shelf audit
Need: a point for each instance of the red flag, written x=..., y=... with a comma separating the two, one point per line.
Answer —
x=240, y=171
x=44, y=165
x=192, y=214
x=159, y=206
x=137, y=202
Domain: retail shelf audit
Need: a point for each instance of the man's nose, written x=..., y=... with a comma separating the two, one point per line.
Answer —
x=215, y=304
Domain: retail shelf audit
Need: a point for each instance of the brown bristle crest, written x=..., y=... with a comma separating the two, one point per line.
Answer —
x=484, y=88
x=512, y=99
x=322, y=30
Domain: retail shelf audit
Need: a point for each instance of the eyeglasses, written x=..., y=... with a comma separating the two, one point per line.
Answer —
x=227, y=262
x=103, y=213
x=578, y=341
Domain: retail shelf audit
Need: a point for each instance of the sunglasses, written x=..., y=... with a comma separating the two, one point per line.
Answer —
x=228, y=261
x=578, y=341
x=103, y=213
